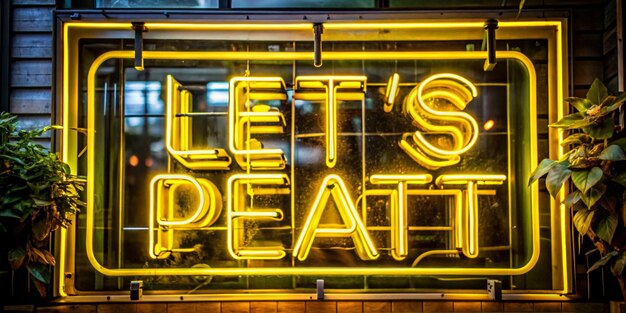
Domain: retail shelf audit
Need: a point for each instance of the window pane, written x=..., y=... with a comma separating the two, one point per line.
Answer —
x=449, y=4
x=303, y=4
x=199, y=4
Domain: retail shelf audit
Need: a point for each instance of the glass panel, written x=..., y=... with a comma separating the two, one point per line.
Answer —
x=422, y=4
x=131, y=140
x=191, y=4
x=240, y=4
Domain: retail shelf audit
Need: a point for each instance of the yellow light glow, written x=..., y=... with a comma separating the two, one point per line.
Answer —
x=469, y=219
x=489, y=125
x=182, y=55
x=333, y=186
x=178, y=132
x=244, y=113
x=238, y=210
x=440, y=87
x=399, y=219
x=391, y=92
x=331, y=89
x=206, y=213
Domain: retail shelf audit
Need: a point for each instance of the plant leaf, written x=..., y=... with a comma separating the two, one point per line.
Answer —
x=41, y=288
x=557, y=177
x=615, y=104
x=619, y=142
x=618, y=266
x=605, y=259
x=582, y=220
x=39, y=271
x=572, y=198
x=605, y=227
x=519, y=10
x=584, y=180
x=620, y=179
x=612, y=153
x=9, y=213
x=602, y=131
x=594, y=194
x=542, y=169
x=567, y=120
x=17, y=257
x=576, y=139
x=581, y=104
x=40, y=255
x=597, y=92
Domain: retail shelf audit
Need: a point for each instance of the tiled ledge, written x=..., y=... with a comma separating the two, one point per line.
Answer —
x=321, y=307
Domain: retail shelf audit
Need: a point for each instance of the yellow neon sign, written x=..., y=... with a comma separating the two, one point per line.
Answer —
x=331, y=89
x=178, y=132
x=469, y=229
x=399, y=219
x=206, y=213
x=443, y=87
x=297, y=56
x=308, y=271
x=238, y=210
x=313, y=271
x=334, y=187
x=244, y=113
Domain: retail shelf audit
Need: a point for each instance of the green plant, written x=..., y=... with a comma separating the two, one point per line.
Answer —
x=594, y=164
x=37, y=195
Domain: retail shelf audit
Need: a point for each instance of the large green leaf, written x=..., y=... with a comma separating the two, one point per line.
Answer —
x=583, y=124
x=568, y=120
x=597, y=92
x=602, y=131
x=615, y=104
x=12, y=159
x=605, y=259
x=619, y=142
x=17, y=257
x=572, y=198
x=582, y=220
x=618, y=265
x=542, y=169
x=557, y=177
x=576, y=139
x=39, y=272
x=584, y=180
x=581, y=104
x=605, y=227
x=612, y=153
x=595, y=193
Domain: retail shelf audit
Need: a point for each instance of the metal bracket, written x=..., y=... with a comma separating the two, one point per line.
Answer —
x=489, y=43
x=320, y=289
x=494, y=289
x=139, y=28
x=136, y=290
x=318, y=29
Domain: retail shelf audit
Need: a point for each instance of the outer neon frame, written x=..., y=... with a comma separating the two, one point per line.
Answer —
x=69, y=103
x=177, y=55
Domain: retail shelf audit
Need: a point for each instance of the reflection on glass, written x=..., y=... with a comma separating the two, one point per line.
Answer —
x=367, y=143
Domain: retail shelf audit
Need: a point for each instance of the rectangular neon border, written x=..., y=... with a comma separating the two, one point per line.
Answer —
x=308, y=56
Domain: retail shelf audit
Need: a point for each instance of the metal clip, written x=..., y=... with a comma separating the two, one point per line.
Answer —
x=139, y=28
x=489, y=42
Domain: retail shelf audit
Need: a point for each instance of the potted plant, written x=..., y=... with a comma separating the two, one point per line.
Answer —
x=594, y=164
x=37, y=196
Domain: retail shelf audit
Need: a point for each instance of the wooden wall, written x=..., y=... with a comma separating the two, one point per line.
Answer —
x=31, y=69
